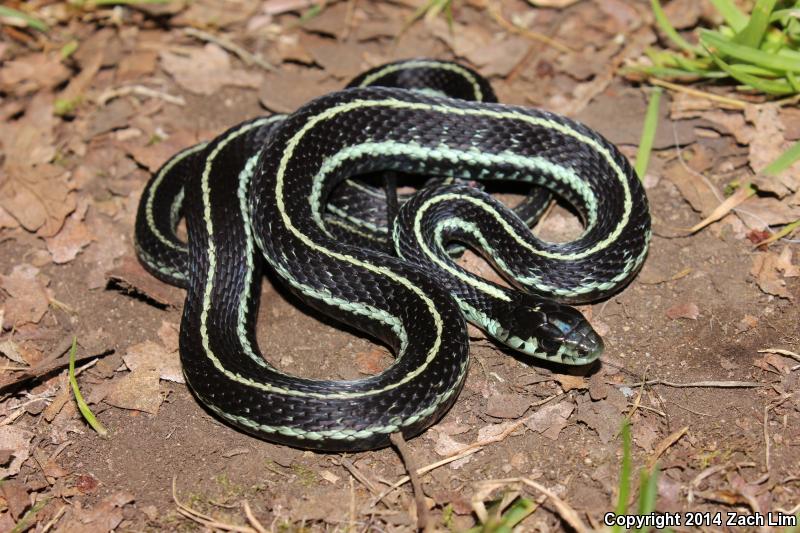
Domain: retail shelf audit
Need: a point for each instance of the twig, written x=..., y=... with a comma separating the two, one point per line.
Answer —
x=405, y=454
x=702, y=94
x=466, y=450
x=564, y=510
x=246, y=57
x=778, y=351
x=139, y=90
x=359, y=475
x=252, y=519
x=767, y=409
x=708, y=472
x=203, y=519
x=665, y=443
x=709, y=384
x=494, y=11
x=509, y=430
x=55, y=361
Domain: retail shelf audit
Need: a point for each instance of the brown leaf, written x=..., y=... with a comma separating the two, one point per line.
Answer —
x=18, y=441
x=603, y=417
x=284, y=92
x=31, y=73
x=73, y=237
x=507, y=405
x=206, y=70
x=149, y=355
x=29, y=299
x=683, y=310
x=138, y=391
x=34, y=192
x=105, y=516
x=761, y=212
x=551, y=419
x=768, y=143
x=215, y=13
x=342, y=60
x=569, y=382
x=131, y=277
x=766, y=270
x=169, y=335
x=644, y=436
x=16, y=496
x=693, y=189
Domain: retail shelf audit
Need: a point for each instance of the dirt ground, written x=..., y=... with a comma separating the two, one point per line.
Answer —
x=685, y=357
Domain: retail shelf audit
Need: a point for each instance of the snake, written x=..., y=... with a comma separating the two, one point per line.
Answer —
x=256, y=197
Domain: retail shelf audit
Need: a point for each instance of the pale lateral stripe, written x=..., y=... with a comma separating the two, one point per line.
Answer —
x=476, y=88
x=385, y=272
x=486, y=288
x=393, y=103
x=151, y=223
x=365, y=310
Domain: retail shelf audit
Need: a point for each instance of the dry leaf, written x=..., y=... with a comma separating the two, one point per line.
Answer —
x=551, y=419
x=28, y=300
x=33, y=72
x=130, y=276
x=138, y=391
x=693, y=189
x=169, y=335
x=105, y=516
x=149, y=355
x=34, y=192
x=761, y=212
x=73, y=237
x=507, y=405
x=214, y=13
x=558, y=4
x=766, y=270
x=17, y=441
x=16, y=496
x=206, y=70
x=569, y=382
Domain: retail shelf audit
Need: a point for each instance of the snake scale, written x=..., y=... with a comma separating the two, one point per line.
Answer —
x=280, y=192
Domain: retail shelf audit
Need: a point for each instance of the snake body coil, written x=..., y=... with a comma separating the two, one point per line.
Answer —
x=261, y=189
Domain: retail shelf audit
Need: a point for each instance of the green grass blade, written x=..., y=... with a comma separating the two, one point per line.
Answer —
x=715, y=42
x=648, y=133
x=784, y=161
x=624, y=474
x=648, y=492
x=777, y=87
x=753, y=33
x=670, y=31
x=25, y=521
x=521, y=509
x=84, y=409
x=29, y=20
x=732, y=15
x=796, y=527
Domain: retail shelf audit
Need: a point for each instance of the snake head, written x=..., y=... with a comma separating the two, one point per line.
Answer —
x=550, y=331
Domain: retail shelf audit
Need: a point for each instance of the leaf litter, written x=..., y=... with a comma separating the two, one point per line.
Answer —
x=132, y=94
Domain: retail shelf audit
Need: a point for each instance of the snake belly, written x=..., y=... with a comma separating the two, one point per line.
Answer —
x=261, y=188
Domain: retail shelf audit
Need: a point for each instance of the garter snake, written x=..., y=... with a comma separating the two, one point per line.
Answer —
x=260, y=190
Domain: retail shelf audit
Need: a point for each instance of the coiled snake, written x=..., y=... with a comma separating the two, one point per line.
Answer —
x=268, y=188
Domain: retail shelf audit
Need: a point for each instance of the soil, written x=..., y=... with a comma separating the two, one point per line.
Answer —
x=709, y=440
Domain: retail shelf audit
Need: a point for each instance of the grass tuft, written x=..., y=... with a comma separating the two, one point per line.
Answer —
x=760, y=51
